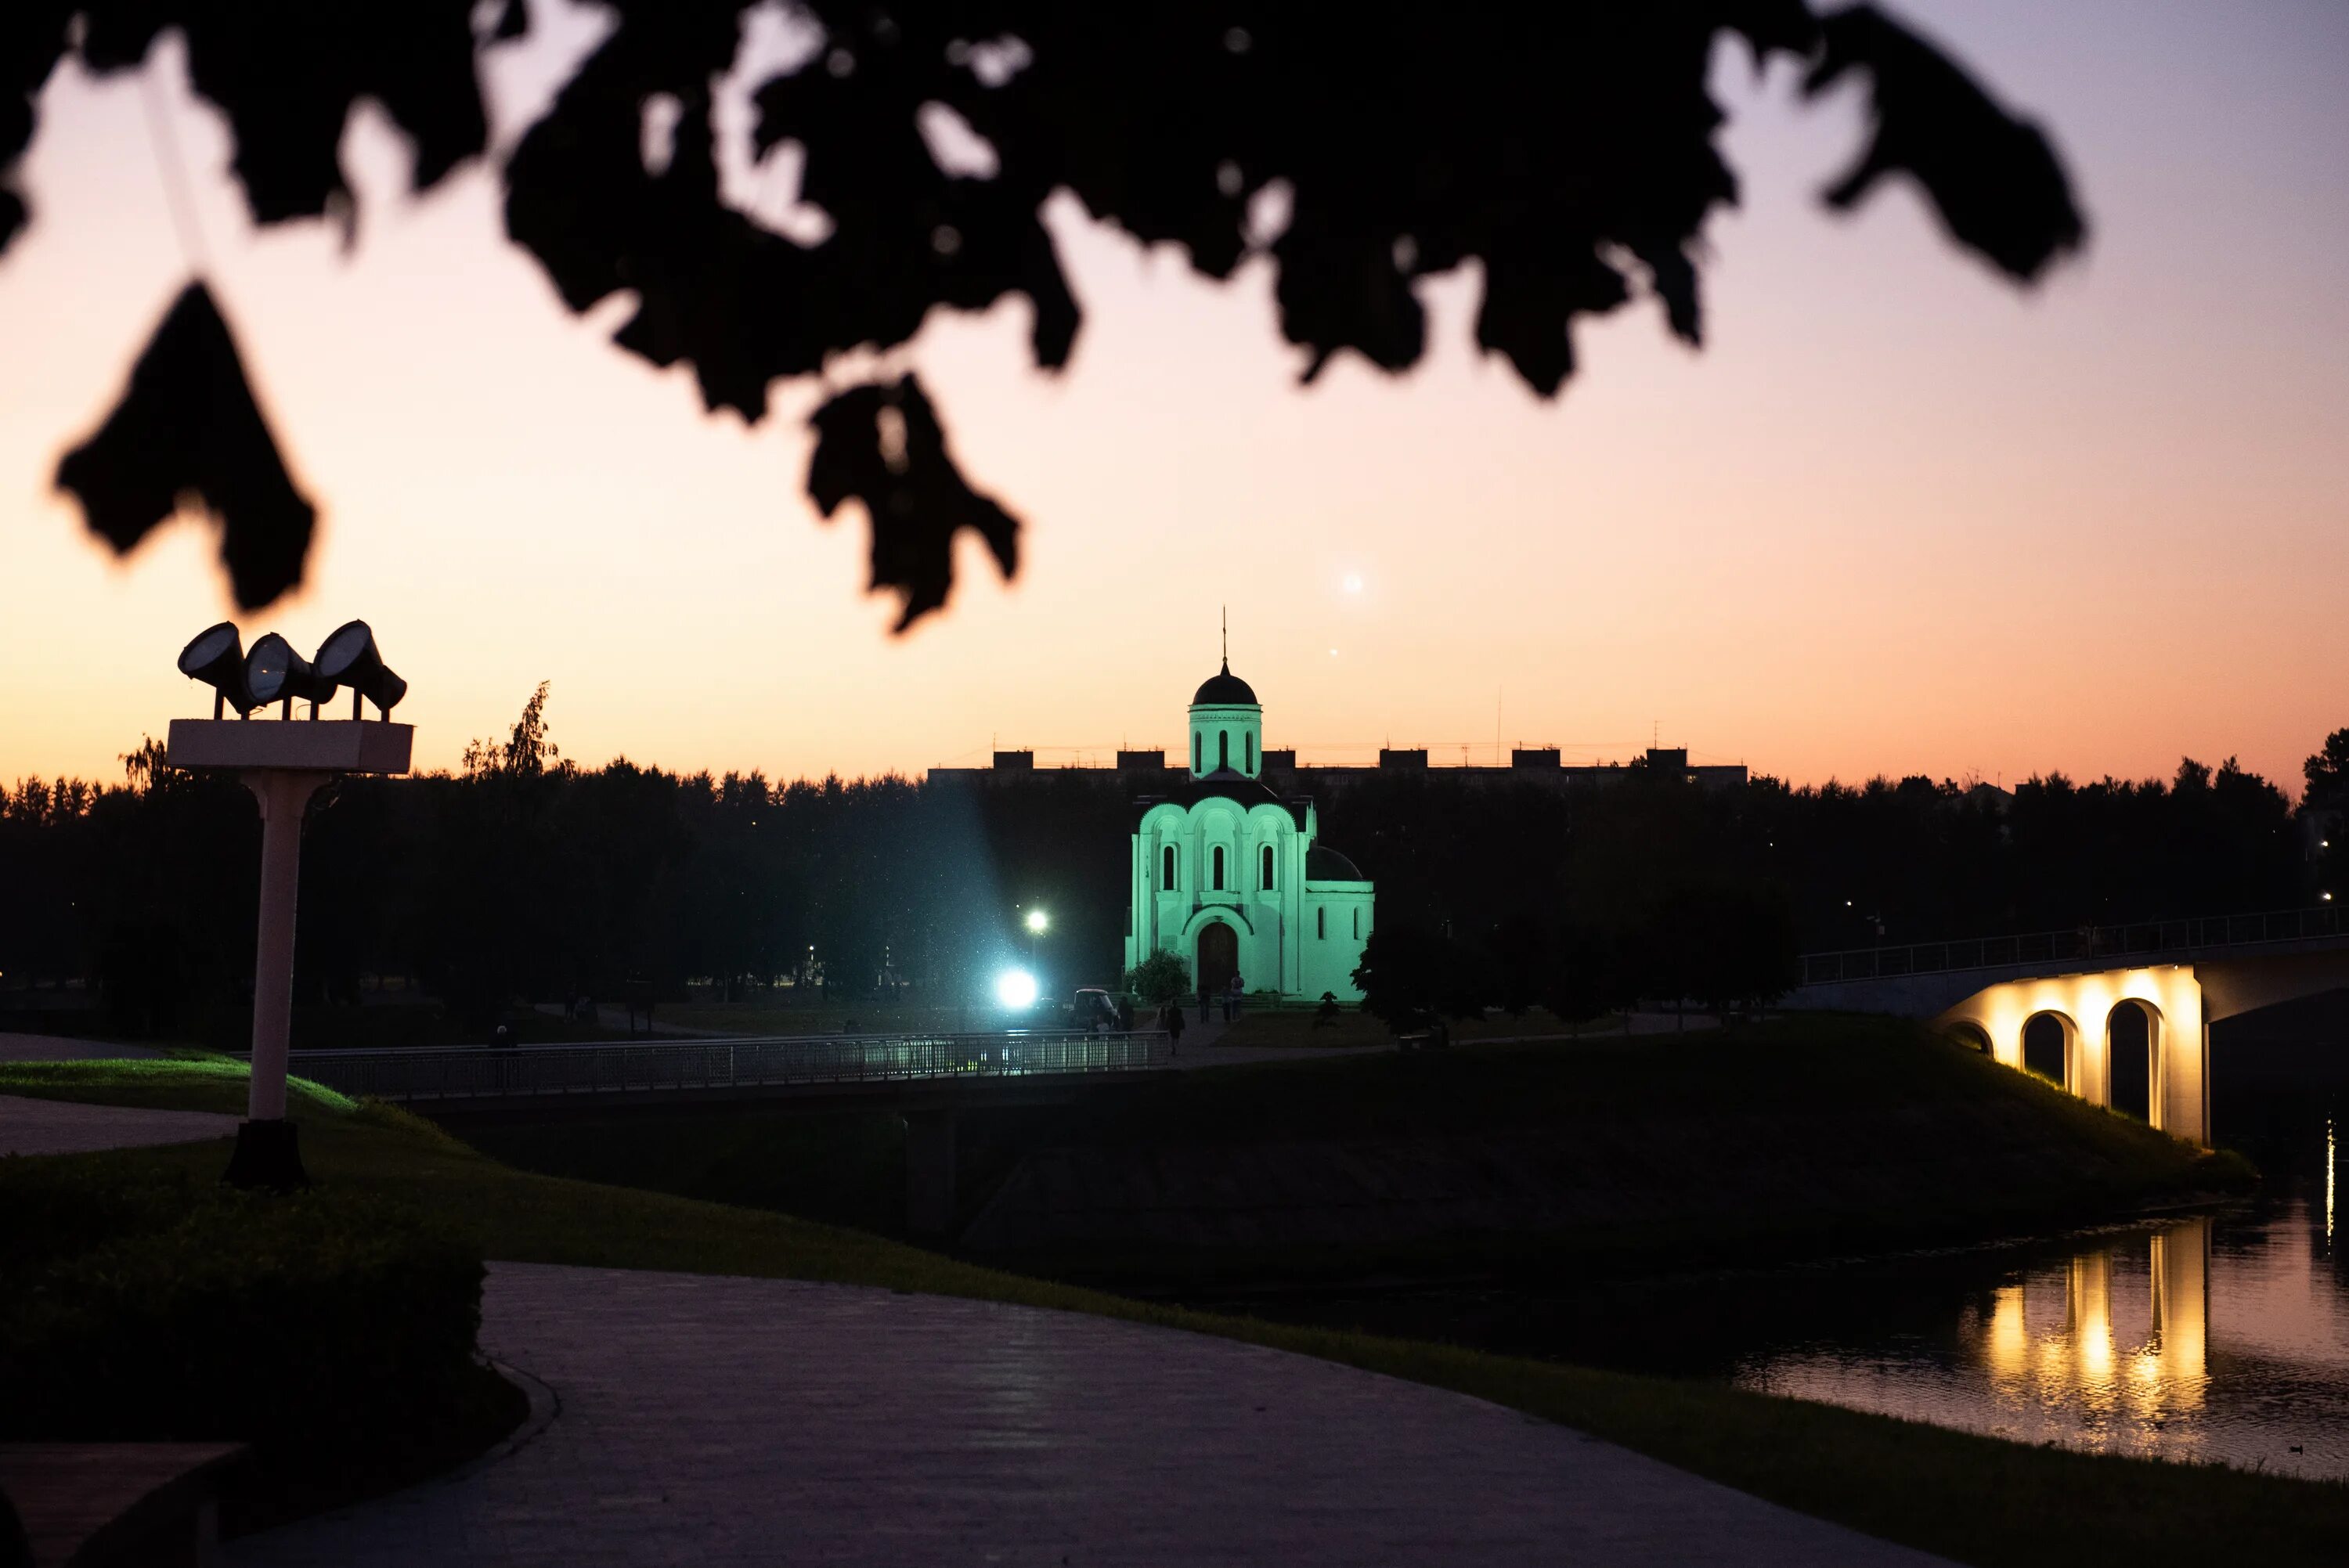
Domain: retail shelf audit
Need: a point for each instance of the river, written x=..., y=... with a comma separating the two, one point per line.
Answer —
x=2219, y=1335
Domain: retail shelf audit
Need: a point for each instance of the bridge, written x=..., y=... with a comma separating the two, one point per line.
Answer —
x=924, y=1078
x=2180, y=976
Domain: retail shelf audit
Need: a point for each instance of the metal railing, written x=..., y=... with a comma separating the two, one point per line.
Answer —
x=2143, y=939
x=488, y=1072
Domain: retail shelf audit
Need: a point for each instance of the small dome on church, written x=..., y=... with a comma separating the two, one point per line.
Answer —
x=1224, y=690
x=1323, y=863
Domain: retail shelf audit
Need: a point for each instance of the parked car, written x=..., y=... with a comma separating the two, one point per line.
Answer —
x=1093, y=1008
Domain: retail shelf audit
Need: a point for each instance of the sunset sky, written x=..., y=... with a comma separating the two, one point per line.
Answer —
x=1896, y=517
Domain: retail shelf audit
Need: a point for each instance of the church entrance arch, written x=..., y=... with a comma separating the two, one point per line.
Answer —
x=1219, y=955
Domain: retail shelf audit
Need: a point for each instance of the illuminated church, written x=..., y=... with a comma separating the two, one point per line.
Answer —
x=1225, y=873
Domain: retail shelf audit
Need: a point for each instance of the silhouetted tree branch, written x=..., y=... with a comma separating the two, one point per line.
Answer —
x=1570, y=149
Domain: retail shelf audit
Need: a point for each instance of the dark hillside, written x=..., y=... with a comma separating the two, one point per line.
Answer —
x=1809, y=1137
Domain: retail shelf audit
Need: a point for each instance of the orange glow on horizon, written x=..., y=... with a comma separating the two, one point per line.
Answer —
x=1894, y=518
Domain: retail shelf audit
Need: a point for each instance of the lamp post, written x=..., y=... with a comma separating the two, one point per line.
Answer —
x=1037, y=923
x=282, y=763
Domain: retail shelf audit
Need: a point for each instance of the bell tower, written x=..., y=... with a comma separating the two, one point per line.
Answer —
x=1226, y=725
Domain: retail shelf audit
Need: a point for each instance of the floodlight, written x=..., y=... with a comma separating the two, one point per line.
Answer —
x=274, y=672
x=348, y=657
x=1038, y=920
x=1016, y=988
x=215, y=657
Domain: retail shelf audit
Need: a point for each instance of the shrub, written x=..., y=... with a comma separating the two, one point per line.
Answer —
x=1159, y=979
x=324, y=1328
x=51, y=1210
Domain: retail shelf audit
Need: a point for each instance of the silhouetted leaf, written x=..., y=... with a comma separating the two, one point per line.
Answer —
x=514, y=21
x=1570, y=150
x=188, y=430
x=880, y=443
x=1994, y=178
x=32, y=41
x=286, y=73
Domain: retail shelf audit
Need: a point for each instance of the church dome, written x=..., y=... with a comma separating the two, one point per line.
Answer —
x=1224, y=690
x=1323, y=863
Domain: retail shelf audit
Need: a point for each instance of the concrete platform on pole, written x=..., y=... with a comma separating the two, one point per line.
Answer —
x=310, y=745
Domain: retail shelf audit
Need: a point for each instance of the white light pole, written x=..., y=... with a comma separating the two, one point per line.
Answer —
x=281, y=794
x=282, y=763
x=1036, y=922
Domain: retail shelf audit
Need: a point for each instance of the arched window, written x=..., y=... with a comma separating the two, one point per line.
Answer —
x=1166, y=869
x=1268, y=868
x=1251, y=752
x=1223, y=748
x=1194, y=751
x=1321, y=923
x=1219, y=868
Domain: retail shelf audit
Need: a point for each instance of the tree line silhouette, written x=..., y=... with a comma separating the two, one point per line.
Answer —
x=523, y=877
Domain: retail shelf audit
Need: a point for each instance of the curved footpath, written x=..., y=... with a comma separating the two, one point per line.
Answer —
x=709, y=1420
x=62, y=1126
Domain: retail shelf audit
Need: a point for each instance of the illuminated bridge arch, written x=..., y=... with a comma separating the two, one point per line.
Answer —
x=2051, y=1048
x=2159, y=1013
x=2132, y=1052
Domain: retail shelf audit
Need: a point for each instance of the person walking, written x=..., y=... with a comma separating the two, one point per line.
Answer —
x=1171, y=1017
x=1232, y=994
x=503, y=1039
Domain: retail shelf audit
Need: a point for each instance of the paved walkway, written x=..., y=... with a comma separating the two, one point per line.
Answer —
x=56, y=1048
x=62, y=1127
x=692, y=1418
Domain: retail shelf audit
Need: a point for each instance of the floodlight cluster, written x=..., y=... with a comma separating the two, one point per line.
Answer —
x=274, y=672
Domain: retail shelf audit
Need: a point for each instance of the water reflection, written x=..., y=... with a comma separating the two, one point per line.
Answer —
x=2219, y=1338
x=2222, y=1339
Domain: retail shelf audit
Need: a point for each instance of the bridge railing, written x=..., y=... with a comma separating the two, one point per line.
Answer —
x=484, y=1072
x=2141, y=939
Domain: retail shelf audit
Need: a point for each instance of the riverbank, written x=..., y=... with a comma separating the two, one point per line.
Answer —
x=1973, y=1499
x=1562, y=1158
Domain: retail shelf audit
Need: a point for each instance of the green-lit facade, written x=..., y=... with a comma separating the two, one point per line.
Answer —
x=1228, y=874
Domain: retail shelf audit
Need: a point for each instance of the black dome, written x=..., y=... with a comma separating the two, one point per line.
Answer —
x=1224, y=690
x=1323, y=863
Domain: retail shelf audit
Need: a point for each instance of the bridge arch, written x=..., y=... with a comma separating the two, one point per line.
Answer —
x=1972, y=1036
x=2087, y=1008
x=2051, y=1048
x=2133, y=1048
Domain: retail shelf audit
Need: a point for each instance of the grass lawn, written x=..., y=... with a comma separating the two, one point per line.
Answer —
x=1808, y=1138
x=820, y=1017
x=1293, y=1026
x=815, y=1017
x=376, y=1026
x=1974, y=1499
x=1257, y=1026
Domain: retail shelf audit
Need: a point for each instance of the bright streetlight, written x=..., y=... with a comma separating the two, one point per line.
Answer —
x=1038, y=920
x=1016, y=989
